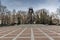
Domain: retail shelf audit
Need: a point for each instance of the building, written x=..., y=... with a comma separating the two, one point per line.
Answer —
x=2, y=13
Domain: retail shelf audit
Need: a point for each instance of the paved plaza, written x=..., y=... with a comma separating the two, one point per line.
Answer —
x=30, y=32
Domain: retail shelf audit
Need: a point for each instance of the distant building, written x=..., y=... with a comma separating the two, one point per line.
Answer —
x=2, y=13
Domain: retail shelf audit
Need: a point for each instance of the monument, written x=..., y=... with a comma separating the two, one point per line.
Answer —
x=30, y=16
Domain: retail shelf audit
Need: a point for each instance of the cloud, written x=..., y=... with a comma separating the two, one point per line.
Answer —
x=36, y=4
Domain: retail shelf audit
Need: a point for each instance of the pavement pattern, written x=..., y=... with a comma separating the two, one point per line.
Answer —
x=30, y=32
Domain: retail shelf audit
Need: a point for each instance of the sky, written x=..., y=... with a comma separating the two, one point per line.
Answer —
x=50, y=5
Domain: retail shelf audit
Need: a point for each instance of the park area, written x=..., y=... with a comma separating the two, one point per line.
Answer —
x=30, y=32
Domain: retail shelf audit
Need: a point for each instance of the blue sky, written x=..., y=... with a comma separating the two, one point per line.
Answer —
x=50, y=5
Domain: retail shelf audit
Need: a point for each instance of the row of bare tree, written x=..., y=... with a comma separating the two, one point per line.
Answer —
x=21, y=17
